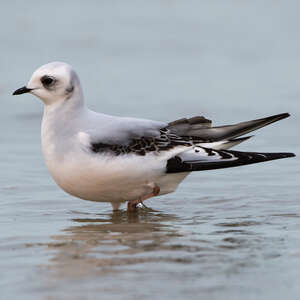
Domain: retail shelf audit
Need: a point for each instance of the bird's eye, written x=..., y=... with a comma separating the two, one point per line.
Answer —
x=47, y=80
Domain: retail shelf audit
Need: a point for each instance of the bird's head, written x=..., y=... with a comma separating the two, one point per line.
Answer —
x=53, y=83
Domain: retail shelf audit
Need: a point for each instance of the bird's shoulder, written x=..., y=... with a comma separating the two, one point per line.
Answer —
x=120, y=130
x=119, y=135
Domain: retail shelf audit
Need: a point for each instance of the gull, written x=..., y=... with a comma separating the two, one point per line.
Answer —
x=113, y=159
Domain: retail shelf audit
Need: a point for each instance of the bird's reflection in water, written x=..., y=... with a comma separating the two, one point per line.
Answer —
x=98, y=244
x=102, y=243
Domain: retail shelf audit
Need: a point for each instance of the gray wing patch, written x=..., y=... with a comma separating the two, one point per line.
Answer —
x=184, y=126
x=201, y=128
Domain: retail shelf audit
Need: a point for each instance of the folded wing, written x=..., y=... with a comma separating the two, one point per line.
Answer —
x=201, y=159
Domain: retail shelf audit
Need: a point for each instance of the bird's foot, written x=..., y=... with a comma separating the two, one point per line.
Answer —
x=133, y=205
x=141, y=205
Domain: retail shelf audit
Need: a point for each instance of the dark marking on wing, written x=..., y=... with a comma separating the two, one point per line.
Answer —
x=143, y=145
x=177, y=164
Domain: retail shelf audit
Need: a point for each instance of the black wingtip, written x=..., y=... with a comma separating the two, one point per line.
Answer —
x=284, y=115
x=176, y=164
x=261, y=156
x=272, y=156
x=285, y=155
x=272, y=119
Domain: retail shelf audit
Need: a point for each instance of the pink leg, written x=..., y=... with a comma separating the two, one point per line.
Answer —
x=115, y=205
x=131, y=205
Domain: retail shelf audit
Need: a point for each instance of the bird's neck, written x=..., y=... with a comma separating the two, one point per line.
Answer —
x=64, y=115
x=60, y=123
x=67, y=104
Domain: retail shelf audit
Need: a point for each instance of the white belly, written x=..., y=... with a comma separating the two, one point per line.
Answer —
x=106, y=178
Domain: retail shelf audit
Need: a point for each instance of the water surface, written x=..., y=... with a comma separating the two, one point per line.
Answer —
x=230, y=234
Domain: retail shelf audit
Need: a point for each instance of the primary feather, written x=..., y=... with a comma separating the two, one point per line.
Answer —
x=202, y=159
x=201, y=128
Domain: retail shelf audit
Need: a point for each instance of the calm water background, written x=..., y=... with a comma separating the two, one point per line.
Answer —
x=230, y=234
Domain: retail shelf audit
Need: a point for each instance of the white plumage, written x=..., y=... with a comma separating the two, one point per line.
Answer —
x=104, y=158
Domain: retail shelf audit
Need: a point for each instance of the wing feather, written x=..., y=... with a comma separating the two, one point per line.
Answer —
x=201, y=128
x=201, y=159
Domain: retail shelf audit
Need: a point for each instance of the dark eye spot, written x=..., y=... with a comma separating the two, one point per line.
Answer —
x=47, y=80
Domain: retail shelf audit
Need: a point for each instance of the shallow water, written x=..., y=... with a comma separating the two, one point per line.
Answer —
x=230, y=234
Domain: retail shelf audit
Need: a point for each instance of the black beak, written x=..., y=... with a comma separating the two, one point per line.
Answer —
x=22, y=90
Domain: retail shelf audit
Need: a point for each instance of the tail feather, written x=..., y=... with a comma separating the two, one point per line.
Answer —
x=201, y=159
x=232, y=131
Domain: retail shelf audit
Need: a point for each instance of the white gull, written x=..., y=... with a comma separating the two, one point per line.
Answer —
x=106, y=158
